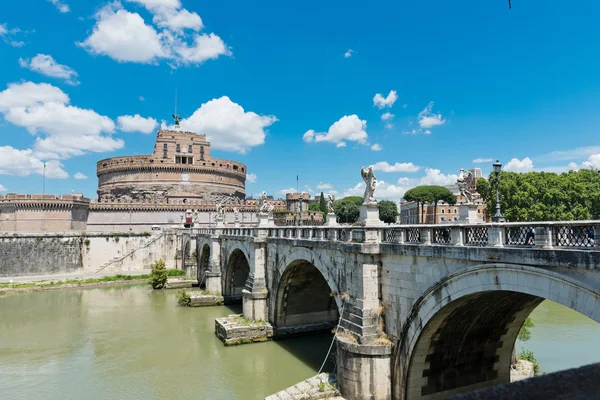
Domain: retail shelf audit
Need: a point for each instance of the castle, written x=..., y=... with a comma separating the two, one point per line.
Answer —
x=140, y=193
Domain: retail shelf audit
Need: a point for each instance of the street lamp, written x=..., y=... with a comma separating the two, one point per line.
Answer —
x=498, y=217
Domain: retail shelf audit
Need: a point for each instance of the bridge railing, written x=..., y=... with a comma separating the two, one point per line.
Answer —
x=561, y=234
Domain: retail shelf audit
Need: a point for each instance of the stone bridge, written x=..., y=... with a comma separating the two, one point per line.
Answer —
x=424, y=311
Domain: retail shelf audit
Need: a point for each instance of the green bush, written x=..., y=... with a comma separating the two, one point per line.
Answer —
x=183, y=298
x=175, y=272
x=158, y=276
x=528, y=356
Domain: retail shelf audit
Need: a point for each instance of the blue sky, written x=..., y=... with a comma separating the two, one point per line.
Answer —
x=300, y=89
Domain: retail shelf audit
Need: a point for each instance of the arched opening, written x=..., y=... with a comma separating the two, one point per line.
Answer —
x=203, y=261
x=468, y=344
x=460, y=334
x=238, y=270
x=305, y=301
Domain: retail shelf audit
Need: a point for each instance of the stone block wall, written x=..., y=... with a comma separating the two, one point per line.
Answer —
x=52, y=253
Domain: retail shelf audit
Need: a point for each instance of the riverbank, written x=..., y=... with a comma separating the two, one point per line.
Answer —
x=78, y=282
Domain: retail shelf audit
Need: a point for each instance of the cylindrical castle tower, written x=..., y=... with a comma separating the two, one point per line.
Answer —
x=181, y=167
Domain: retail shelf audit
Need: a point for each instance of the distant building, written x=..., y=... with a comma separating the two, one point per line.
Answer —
x=412, y=213
x=43, y=213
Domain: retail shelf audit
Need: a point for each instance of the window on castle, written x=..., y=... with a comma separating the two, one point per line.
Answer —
x=190, y=148
x=165, y=154
x=184, y=160
x=164, y=146
x=202, y=153
x=178, y=148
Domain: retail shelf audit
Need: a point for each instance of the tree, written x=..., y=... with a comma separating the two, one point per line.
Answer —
x=388, y=211
x=440, y=193
x=347, y=209
x=158, y=275
x=430, y=194
x=314, y=207
x=419, y=195
x=543, y=196
x=323, y=204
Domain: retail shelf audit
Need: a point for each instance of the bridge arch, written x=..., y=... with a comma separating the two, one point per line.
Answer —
x=307, y=296
x=237, y=271
x=460, y=333
x=203, y=257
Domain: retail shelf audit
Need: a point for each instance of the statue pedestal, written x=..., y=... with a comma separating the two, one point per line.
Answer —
x=220, y=221
x=369, y=215
x=264, y=221
x=331, y=220
x=468, y=214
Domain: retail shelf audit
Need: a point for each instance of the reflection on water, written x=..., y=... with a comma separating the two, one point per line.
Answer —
x=135, y=343
x=562, y=338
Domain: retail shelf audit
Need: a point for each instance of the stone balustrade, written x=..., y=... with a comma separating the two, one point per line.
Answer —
x=566, y=234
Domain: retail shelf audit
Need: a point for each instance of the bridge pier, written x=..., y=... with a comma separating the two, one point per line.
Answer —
x=213, y=273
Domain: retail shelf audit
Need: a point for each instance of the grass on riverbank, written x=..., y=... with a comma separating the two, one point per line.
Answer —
x=86, y=281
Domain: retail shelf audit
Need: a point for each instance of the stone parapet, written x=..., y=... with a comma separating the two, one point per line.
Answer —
x=235, y=329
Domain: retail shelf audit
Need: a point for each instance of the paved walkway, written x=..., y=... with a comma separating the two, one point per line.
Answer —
x=62, y=277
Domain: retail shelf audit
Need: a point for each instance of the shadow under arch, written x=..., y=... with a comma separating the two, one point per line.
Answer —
x=460, y=333
x=203, y=265
x=236, y=275
x=305, y=301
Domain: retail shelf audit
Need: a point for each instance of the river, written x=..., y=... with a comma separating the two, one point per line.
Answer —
x=130, y=342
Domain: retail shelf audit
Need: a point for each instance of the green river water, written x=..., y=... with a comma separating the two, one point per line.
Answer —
x=131, y=342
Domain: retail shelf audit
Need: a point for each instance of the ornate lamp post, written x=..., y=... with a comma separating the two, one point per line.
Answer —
x=498, y=217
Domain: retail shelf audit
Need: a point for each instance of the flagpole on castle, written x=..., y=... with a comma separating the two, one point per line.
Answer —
x=44, y=181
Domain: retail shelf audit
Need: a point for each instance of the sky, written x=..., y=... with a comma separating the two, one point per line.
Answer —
x=314, y=90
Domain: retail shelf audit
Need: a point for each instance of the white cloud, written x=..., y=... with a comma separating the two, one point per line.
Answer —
x=411, y=132
x=376, y=147
x=348, y=128
x=387, y=115
x=383, y=190
x=251, y=178
x=62, y=7
x=482, y=160
x=571, y=154
x=427, y=119
x=324, y=186
x=125, y=36
x=389, y=126
x=62, y=130
x=435, y=177
x=46, y=65
x=79, y=175
x=3, y=189
x=24, y=163
x=516, y=165
x=348, y=53
x=382, y=102
x=205, y=47
x=384, y=166
x=8, y=35
x=285, y=191
x=136, y=123
x=227, y=126
x=142, y=98
x=593, y=161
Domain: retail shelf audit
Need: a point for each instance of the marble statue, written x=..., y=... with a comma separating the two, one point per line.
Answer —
x=220, y=209
x=463, y=182
x=263, y=206
x=236, y=214
x=368, y=175
x=330, y=201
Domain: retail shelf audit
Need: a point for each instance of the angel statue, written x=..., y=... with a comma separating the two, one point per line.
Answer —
x=270, y=208
x=263, y=205
x=368, y=175
x=330, y=201
x=236, y=214
x=220, y=208
x=463, y=182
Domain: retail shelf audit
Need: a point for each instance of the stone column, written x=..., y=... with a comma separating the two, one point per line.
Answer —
x=364, y=371
x=456, y=236
x=213, y=274
x=255, y=293
x=496, y=237
x=543, y=237
x=426, y=236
